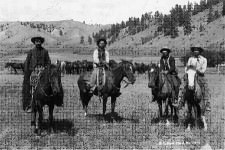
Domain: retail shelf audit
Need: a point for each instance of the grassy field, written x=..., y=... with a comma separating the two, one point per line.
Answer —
x=135, y=127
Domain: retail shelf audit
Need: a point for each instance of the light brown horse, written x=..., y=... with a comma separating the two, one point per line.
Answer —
x=193, y=96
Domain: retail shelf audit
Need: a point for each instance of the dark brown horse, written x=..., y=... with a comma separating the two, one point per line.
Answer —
x=15, y=66
x=48, y=92
x=111, y=87
x=162, y=90
x=193, y=96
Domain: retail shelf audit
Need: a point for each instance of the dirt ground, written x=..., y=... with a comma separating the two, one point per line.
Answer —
x=134, y=128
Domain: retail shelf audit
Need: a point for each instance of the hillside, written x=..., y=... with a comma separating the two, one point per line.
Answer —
x=213, y=33
x=66, y=32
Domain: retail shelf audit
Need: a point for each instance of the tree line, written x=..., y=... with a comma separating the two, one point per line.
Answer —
x=42, y=26
x=179, y=16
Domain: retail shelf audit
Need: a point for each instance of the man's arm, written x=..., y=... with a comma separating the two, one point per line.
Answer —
x=107, y=56
x=161, y=65
x=204, y=66
x=172, y=65
x=188, y=64
x=95, y=57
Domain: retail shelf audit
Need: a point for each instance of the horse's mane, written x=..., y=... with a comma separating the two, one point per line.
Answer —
x=123, y=61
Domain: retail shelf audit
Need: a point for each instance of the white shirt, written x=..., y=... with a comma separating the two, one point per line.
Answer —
x=96, y=59
x=200, y=63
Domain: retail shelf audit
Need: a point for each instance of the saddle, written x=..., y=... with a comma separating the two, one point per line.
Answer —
x=35, y=75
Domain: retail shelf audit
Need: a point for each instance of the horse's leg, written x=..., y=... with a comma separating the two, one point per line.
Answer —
x=104, y=105
x=113, y=104
x=189, y=116
x=85, y=98
x=175, y=117
x=40, y=118
x=160, y=109
x=196, y=115
x=50, y=110
x=202, y=116
x=33, y=120
x=167, y=111
x=204, y=122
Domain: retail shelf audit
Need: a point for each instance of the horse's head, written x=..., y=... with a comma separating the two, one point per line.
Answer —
x=54, y=77
x=7, y=65
x=190, y=77
x=128, y=71
x=153, y=73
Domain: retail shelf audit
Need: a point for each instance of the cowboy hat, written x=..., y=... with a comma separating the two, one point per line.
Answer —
x=197, y=48
x=101, y=39
x=165, y=49
x=33, y=39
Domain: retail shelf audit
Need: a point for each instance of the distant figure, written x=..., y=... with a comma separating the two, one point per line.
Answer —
x=100, y=59
x=36, y=58
x=167, y=65
x=200, y=63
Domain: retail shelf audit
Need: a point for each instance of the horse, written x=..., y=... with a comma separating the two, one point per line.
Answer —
x=162, y=90
x=15, y=66
x=63, y=67
x=111, y=88
x=48, y=91
x=193, y=97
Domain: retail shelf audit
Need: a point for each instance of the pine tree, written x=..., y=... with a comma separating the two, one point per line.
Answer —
x=187, y=23
x=82, y=39
x=210, y=15
x=201, y=28
x=89, y=40
x=223, y=12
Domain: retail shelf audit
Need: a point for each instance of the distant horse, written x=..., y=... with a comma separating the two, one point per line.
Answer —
x=162, y=90
x=193, y=96
x=48, y=92
x=112, y=85
x=15, y=66
x=62, y=66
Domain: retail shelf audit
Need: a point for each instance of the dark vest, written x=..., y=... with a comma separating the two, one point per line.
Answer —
x=101, y=55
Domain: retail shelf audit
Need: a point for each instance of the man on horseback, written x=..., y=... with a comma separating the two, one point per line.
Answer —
x=101, y=59
x=36, y=57
x=168, y=67
x=200, y=63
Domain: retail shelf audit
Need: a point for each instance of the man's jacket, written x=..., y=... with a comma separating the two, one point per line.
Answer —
x=168, y=64
x=36, y=57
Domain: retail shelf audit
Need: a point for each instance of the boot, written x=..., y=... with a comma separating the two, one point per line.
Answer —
x=207, y=107
x=92, y=89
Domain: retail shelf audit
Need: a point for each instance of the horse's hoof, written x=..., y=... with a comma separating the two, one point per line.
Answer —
x=33, y=128
x=51, y=130
x=38, y=132
x=167, y=123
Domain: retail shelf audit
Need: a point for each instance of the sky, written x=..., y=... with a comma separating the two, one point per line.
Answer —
x=90, y=11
